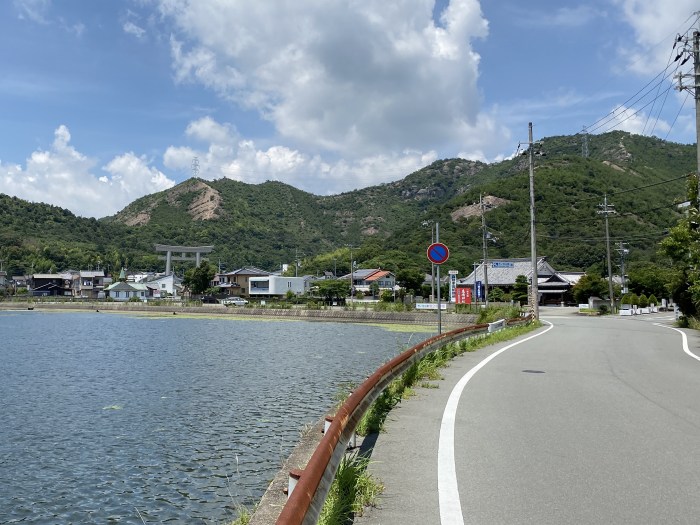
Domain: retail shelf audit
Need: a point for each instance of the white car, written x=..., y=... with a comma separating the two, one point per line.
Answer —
x=235, y=301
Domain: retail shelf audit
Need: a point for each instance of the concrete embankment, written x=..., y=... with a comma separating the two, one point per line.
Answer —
x=358, y=315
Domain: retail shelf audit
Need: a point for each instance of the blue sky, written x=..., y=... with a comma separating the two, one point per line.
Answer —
x=104, y=102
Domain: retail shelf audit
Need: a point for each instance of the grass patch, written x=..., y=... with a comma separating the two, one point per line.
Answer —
x=428, y=369
x=352, y=490
x=494, y=313
x=244, y=516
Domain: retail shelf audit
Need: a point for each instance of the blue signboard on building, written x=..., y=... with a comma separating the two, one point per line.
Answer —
x=502, y=264
x=479, y=293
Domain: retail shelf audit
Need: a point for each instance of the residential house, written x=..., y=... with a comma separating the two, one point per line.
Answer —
x=277, y=285
x=91, y=284
x=238, y=282
x=164, y=285
x=364, y=279
x=51, y=284
x=124, y=291
x=20, y=281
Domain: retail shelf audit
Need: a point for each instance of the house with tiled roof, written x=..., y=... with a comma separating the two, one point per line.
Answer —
x=553, y=286
x=363, y=279
x=51, y=284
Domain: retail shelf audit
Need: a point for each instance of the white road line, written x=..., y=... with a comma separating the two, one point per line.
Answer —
x=686, y=349
x=448, y=492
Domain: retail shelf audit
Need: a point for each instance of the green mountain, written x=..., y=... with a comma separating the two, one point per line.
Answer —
x=388, y=225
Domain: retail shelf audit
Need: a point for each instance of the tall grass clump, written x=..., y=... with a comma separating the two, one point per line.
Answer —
x=244, y=517
x=494, y=313
x=352, y=490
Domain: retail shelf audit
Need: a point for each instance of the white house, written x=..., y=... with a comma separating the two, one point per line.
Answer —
x=163, y=285
x=124, y=291
x=277, y=286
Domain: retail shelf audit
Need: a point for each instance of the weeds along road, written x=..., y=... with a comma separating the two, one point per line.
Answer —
x=587, y=420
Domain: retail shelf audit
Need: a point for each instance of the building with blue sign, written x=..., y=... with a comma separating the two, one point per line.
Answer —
x=554, y=287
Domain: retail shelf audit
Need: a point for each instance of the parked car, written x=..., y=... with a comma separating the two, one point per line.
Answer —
x=208, y=299
x=235, y=301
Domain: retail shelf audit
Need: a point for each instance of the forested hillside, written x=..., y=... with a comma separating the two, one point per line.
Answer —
x=388, y=225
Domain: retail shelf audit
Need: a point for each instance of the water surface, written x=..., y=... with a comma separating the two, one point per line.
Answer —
x=108, y=418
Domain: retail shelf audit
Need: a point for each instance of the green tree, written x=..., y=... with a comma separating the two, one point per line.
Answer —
x=520, y=289
x=198, y=278
x=411, y=279
x=589, y=286
x=682, y=246
x=647, y=277
x=334, y=289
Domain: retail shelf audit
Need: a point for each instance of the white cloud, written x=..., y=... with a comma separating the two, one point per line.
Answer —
x=226, y=154
x=349, y=79
x=634, y=121
x=655, y=24
x=132, y=29
x=35, y=10
x=64, y=177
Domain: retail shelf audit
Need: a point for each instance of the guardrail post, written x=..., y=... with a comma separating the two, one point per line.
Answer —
x=294, y=476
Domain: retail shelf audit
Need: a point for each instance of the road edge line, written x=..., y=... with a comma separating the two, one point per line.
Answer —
x=448, y=492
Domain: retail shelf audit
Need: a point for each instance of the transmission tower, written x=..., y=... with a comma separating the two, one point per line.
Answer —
x=584, y=146
x=195, y=167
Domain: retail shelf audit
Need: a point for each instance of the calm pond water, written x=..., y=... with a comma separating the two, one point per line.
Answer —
x=108, y=418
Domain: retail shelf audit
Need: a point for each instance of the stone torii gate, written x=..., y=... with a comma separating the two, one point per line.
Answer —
x=181, y=253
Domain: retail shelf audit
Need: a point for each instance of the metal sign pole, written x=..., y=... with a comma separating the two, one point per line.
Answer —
x=437, y=239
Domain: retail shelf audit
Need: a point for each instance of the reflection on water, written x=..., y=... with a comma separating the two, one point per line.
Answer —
x=108, y=418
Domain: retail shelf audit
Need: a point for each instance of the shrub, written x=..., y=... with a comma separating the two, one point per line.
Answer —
x=653, y=300
x=387, y=296
x=494, y=313
x=643, y=301
x=604, y=309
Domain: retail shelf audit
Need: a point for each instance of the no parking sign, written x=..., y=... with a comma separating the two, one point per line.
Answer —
x=438, y=253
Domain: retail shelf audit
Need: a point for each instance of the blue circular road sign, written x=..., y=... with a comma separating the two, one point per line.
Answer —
x=438, y=253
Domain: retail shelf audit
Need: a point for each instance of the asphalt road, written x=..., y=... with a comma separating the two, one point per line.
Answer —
x=592, y=420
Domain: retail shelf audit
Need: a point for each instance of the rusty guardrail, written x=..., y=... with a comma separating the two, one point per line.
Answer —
x=310, y=491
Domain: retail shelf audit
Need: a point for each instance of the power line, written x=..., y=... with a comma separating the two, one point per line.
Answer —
x=649, y=87
x=612, y=193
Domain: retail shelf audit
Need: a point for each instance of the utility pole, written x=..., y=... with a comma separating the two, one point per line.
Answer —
x=296, y=262
x=606, y=210
x=534, y=289
x=483, y=242
x=352, y=275
x=696, y=64
x=696, y=92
